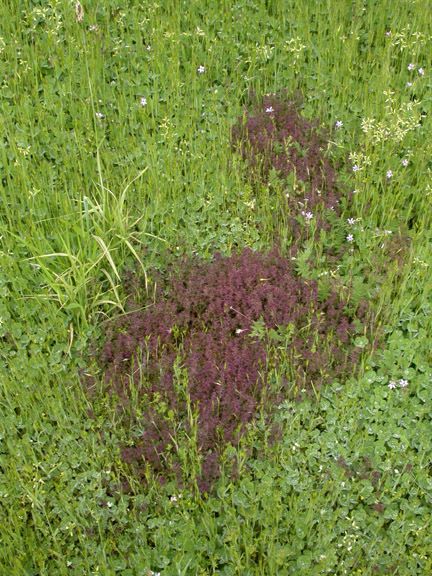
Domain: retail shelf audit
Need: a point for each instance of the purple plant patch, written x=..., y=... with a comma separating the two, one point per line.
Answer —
x=204, y=313
x=274, y=136
x=226, y=320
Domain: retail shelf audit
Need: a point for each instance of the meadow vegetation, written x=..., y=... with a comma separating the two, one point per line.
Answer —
x=215, y=313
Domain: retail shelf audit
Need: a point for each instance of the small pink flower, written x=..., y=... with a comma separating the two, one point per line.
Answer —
x=421, y=71
x=389, y=174
x=355, y=168
x=411, y=66
x=405, y=162
x=392, y=385
x=409, y=84
x=403, y=383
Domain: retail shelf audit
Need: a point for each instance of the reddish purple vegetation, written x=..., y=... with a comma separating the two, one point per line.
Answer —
x=274, y=136
x=205, y=311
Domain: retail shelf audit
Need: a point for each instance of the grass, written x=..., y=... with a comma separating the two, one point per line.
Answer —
x=94, y=180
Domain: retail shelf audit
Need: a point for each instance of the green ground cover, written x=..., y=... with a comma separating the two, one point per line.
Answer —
x=116, y=151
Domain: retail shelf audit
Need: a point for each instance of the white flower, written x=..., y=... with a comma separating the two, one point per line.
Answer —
x=143, y=102
x=201, y=69
x=350, y=238
x=269, y=110
x=339, y=124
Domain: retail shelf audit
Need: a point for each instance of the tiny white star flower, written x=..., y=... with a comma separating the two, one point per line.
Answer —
x=355, y=168
x=99, y=114
x=201, y=69
x=403, y=383
x=421, y=71
x=405, y=162
x=269, y=110
x=350, y=238
x=339, y=124
x=149, y=48
x=392, y=385
x=411, y=66
x=409, y=84
x=351, y=221
x=309, y=215
x=143, y=102
x=389, y=174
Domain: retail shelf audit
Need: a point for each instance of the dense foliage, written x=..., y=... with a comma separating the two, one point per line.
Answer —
x=118, y=148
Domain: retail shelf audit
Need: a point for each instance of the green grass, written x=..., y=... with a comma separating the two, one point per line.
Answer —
x=347, y=490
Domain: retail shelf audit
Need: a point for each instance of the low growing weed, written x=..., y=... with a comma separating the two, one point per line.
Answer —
x=226, y=321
